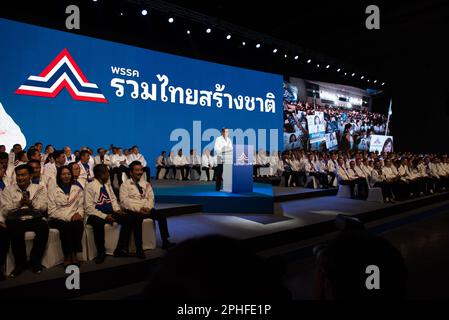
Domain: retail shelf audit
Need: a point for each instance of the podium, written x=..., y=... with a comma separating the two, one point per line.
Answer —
x=238, y=169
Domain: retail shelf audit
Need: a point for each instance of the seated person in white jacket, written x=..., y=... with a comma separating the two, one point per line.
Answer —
x=170, y=165
x=119, y=164
x=377, y=179
x=161, y=163
x=69, y=156
x=101, y=207
x=137, y=199
x=50, y=168
x=136, y=156
x=207, y=163
x=87, y=173
x=182, y=164
x=38, y=178
x=66, y=213
x=311, y=170
x=195, y=162
x=4, y=237
x=23, y=205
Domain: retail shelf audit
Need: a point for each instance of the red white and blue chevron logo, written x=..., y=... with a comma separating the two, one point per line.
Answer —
x=62, y=72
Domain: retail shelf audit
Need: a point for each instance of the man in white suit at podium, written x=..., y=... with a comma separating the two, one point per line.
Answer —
x=223, y=151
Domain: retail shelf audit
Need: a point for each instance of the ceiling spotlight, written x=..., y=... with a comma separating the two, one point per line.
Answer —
x=243, y=43
x=188, y=31
x=144, y=12
x=338, y=70
x=285, y=56
x=309, y=61
x=375, y=81
x=361, y=78
x=208, y=30
x=346, y=73
x=383, y=83
x=258, y=45
x=296, y=57
x=328, y=66
x=318, y=65
x=171, y=20
x=121, y=13
x=367, y=80
x=353, y=74
x=228, y=36
x=275, y=50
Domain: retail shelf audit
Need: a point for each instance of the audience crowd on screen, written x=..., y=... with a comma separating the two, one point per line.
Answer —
x=353, y=127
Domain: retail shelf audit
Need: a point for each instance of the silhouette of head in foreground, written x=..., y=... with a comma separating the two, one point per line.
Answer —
x=214, y=268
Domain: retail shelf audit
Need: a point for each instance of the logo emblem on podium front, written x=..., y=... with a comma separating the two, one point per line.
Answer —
x=242, y=159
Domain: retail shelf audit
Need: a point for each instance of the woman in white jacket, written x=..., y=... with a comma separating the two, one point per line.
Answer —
x=66, y=213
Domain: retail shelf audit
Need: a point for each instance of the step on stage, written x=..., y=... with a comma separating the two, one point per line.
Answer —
x=300, y=215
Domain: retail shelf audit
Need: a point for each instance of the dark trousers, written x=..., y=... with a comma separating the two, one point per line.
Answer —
x=362, y=187
x=255, y=168
x=167, y=171
x=322, y=178
x=158, y=170
x=119, y=171
x=386, y=189
x=197, y=168
x=4, y=246
x=401, y=189
x=219, y=176
x=184, y=171
x=332, y=175
x=135, y=220
x=207, y=172
x=70, y=233
x=98, y=224
x=16, y=231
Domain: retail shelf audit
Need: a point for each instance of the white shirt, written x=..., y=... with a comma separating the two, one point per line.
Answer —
x=180, y=161
x=195, y=160
x=106, y=160
x=388, y=172
x=69, y=159
x=85, y=176
x=137, y=157
x=375, y=177
x=64, y=206
x=206, y=161
x=12, y=195
x=50, y=170
x=171, y=161
x=343, y=174
x=359, y=172
x=223, y=149
x=116, y=159
x=131, y=199
x=91, y=197
x=159, y=161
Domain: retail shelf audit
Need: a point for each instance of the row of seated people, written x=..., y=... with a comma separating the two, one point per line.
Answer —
x=207, y=162
x=34, y=202
x=117, y=162
x=399, y=176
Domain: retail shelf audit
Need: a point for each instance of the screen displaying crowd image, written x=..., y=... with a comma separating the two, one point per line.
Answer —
x=318, y=124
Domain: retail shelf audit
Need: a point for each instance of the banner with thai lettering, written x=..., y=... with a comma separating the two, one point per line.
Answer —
x=65, y=89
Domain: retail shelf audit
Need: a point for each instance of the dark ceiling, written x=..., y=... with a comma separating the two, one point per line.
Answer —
x=408, y=53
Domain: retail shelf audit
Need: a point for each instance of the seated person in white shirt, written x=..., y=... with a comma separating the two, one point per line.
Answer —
x=101, y=208
x=360, y=178
x=207, y=163
x=137, y=199
x=170, y=165
x=377, y=179
x=182, y=164
x=87, y=173
x=76, y=171
x=400, y=188
x=119, y=164
x=328, y=166
x=59, y=160
x=38, y=178
x=4, y=237
x=33, y=154
x=311, y=170
x=161, y=163
x=69, y=156
x=136, y=156
x=345, y=178
x=195, y=162
x=66, y=213
x=23, y=205
x=21, y=158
